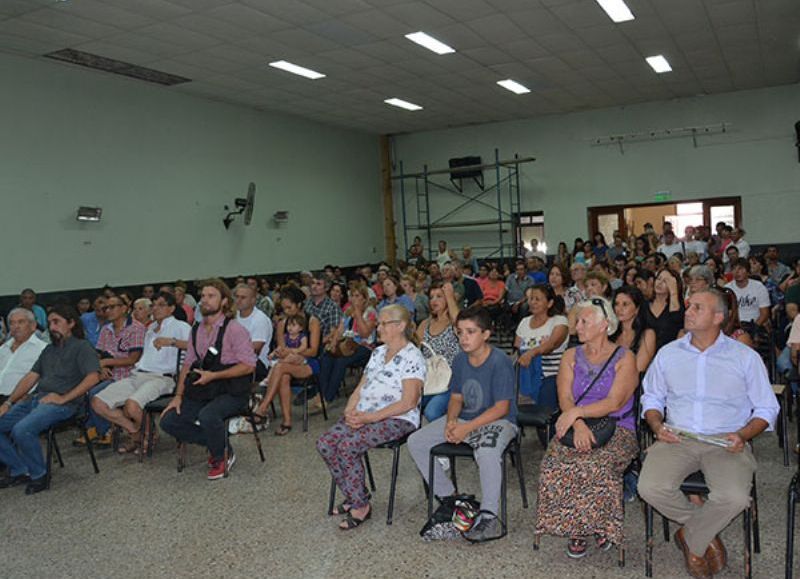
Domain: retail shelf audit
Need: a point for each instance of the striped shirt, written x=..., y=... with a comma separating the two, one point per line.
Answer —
x=533, y=337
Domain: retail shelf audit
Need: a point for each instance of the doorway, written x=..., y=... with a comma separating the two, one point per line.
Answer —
x=631, y=219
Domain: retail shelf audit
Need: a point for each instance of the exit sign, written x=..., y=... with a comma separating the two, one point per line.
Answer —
x=663, y=196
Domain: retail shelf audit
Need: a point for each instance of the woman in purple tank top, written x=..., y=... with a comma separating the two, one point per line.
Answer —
x=580, y=489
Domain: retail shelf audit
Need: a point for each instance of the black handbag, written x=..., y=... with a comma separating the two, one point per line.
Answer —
x=602, y=428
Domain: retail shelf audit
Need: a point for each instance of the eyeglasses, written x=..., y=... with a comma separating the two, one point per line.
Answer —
x=601, y=304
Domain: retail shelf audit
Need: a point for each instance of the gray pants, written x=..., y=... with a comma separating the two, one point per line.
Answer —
x=728, y=475
x=488, y=442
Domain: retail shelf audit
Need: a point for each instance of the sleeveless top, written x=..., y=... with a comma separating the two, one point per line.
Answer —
x=445, y=343
x=585, y=372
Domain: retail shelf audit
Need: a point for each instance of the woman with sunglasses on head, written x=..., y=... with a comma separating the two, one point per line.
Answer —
x=543, y=334
x=665, y=311
x=580, y=484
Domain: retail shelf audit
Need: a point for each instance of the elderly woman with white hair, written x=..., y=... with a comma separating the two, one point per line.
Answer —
x=580, y=483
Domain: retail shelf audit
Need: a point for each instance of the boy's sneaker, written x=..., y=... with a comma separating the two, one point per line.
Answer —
x=216, y=469
x=488, y=528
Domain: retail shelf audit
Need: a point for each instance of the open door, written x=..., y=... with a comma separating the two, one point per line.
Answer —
x=607, y=220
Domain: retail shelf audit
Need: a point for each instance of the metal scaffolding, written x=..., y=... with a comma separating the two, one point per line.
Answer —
x=506, y=205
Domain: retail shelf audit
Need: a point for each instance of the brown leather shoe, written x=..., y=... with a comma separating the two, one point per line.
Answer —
x=716, y=556
x=696, y=566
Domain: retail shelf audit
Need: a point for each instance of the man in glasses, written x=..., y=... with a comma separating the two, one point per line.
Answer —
x=94, y=320
x=120, y=346
x=154, y=374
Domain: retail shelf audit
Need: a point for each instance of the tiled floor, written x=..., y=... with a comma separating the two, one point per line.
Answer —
x=269, y=520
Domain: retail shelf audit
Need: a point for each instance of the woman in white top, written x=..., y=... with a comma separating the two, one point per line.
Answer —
x=544, y=333
x=383, y=407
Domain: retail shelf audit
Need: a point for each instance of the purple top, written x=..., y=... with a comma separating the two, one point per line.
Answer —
x=585, y=372
x=295, y=343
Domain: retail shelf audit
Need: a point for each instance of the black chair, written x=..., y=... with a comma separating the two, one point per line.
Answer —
x=782, y=394
x=306, y=386
x=394, y=446
x=695, y=484
x=463, y=450
x=537, y=416
x=79, y=421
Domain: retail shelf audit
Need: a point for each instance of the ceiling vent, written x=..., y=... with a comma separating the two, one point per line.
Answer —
x=98, y=62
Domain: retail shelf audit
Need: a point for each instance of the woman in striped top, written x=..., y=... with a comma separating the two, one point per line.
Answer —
x=544, y=333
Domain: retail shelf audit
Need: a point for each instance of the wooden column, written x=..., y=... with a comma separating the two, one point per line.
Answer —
x=390, y=241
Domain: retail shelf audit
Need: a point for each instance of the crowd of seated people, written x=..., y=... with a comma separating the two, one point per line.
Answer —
x=586, y=328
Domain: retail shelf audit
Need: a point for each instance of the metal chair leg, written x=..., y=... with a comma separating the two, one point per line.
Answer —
x=790, y=511
x=368, y=467
x=755, y=525
x=151, y=435
x=181, y=456
x=322, y=403
x=431, y=459
x=665, y=524
x=90, y=448
x=58, y=450
x=331, y=497
x=504, y=495
x=393, y=484
x=253, y=425
x=748, y=567
x=305, y=406
x=143, y=431
x=521, y=475
x=453, y=476
x=648, y=541
x=49, y=455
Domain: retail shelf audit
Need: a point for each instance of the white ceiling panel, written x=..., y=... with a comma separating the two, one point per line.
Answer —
x=567, y=51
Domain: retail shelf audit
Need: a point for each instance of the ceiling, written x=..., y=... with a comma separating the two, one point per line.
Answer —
x=568, y=52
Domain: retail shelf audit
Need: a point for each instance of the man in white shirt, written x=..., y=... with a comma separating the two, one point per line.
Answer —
x=20, y=352
x=534, y=251
x=690, y=243
x=751, y=294
x=739, y=241
x=121, y=402
x=671, y=245
x=257, y=324
x=708, y=384
x=444, y=255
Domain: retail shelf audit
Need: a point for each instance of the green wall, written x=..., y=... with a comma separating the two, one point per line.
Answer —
x=756, y=159
x=162, y=164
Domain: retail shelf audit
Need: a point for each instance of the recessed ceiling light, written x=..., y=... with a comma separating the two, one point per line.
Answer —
x=430, y=43
x=395, y=102
x=295, y=69
x=617, y=10
x=514, y=86
x=659, y=63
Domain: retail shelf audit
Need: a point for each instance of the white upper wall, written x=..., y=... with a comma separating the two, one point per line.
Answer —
x=756, y=159
x=162, y=165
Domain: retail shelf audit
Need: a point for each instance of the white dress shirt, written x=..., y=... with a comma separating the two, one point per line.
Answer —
x=14, y=365
x=165, y=360
x=716, y=391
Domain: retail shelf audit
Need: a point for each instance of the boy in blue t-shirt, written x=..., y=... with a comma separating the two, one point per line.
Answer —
x=482, y=413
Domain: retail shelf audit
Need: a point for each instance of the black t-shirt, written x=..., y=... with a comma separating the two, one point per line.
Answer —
x=666, y=326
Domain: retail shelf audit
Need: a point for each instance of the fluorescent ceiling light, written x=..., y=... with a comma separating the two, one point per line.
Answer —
x=617, y=10
x=513, y=86
x=659, y=63
x=395, y=102
x=430, y=43
x=299, y=70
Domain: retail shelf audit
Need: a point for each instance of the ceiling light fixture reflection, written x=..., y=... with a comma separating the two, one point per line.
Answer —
x=514, y=86
x=395, y=102
x=617, y=10
x=659, y=63
x=430, y=43
x=295, y=69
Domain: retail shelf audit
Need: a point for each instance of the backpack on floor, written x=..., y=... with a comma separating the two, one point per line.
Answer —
x=455, y=516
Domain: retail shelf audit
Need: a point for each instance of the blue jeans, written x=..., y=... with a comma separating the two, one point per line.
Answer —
x=100, y=424
x=331, y=372
x=20, y=427
x=435, y=405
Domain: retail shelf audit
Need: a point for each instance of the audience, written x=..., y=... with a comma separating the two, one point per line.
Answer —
x=665, y=311
x=516, y=285
x=257, y=324
x=320, y=307
x=27, y=300
x=64, y=372
x=215, y=379
x=393, y=294
x=707, y=384
x=383, y=407
x=482, y=413
x=142, y=311
x=580, y=486
x=752, y=295
x=632, y=332
x=419, y=299
x=94, y=320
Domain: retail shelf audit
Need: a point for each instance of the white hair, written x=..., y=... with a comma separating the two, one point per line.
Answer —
x=26, y=313
x=602, y=312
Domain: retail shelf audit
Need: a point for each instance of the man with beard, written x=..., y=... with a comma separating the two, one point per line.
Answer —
x=215, y=380
x=64, y=372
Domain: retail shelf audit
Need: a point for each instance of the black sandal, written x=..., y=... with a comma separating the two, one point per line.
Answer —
x=260, y=419
x=341, y=509
x=283, y=430
x=351, y=522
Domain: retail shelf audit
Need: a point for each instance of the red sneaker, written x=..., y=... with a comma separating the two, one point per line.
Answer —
x=216, y=469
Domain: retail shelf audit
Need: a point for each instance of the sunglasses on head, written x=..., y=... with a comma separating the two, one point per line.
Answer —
x=601, y=304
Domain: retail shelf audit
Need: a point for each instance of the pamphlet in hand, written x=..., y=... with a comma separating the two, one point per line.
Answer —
x=707, y=438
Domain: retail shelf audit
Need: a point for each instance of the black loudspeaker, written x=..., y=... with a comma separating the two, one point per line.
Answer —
x=457, y=173
x=797, y=143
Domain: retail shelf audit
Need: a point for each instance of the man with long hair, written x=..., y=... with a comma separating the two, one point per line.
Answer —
x=64, y=372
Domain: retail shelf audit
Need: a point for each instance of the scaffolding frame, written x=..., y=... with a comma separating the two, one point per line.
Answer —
x=507, y=184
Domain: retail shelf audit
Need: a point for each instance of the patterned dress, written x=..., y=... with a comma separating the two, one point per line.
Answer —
x=580, y=493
